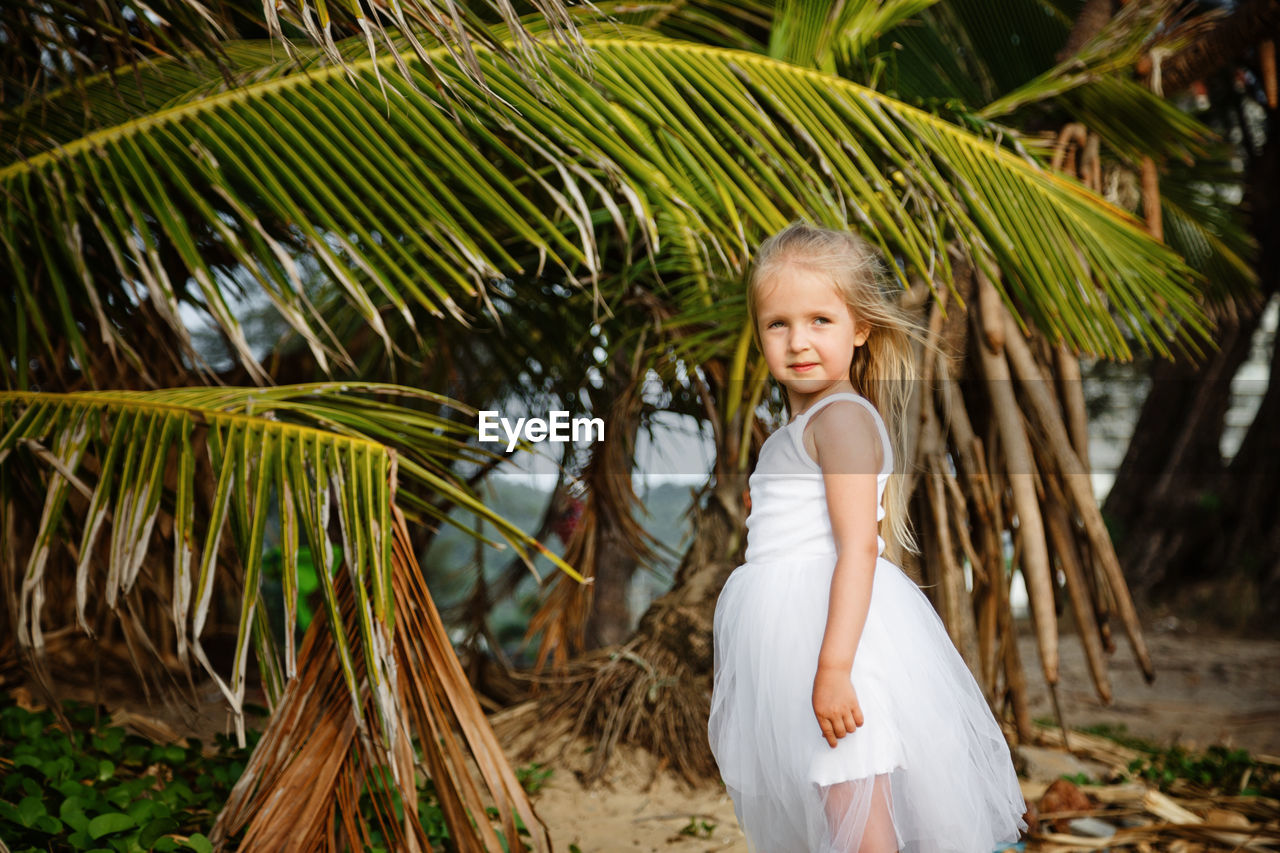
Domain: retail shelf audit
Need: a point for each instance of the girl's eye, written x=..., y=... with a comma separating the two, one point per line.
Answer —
x=776, y=324
x=822, y=320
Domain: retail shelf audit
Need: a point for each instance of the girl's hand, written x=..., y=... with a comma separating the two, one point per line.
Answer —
x=835, y=704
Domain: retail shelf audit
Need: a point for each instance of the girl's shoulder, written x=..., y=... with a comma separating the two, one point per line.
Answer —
x=846, y=427
x=848, y=403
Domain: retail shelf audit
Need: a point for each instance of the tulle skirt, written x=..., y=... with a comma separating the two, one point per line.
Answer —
x=928, y=772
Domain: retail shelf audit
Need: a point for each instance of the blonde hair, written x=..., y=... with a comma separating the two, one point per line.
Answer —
x=883, y=368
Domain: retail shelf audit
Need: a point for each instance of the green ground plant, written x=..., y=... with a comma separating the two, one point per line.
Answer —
x=100, y=788
x=698, y=828
x=1218, y=770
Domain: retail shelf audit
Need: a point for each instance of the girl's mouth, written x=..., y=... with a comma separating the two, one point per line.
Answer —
x=807, y=365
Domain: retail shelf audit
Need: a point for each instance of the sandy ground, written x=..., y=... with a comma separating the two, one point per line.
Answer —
x=1207, y=690
x=633, y=809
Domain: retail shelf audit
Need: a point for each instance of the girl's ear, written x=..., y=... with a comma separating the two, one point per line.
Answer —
x=861, y=332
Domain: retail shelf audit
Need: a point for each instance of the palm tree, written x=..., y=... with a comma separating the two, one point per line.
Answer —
x=1178, y=505
x=316, y=457
x=375, y=213
x=971, y=485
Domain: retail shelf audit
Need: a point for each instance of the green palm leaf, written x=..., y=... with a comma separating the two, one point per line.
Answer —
x=52, y=45
x=307, y=452
x=818, y=34
x=48, y=118
x=1202, y=222
x=1137, y=123
x=707, y=148
x=1093, y=87
x=1134, y=30
x=739, y=24
x=1005, y=42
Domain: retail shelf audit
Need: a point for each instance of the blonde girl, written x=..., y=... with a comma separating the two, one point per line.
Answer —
x=842, y=717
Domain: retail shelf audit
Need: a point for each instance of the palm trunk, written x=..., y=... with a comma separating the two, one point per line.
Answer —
x=606, y=545
x=618, y=536
x=1192, y=526
x=654, y=690
x=1249, y=23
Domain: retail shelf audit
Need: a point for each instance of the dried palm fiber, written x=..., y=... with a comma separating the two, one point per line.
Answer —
x=1151, y=198
x=302, y=787
x=1074, y=480
x=974, y=512
x=1055, y=430
x=1073, y=137
x=1185, y=816
x=1071, y=389
x=941, y=550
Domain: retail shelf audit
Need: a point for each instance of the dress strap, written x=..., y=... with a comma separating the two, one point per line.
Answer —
x=850, y=395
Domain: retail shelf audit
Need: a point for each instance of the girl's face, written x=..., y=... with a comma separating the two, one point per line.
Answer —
x=808, y=334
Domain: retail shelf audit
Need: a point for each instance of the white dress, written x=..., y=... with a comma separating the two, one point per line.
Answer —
x=930, y=756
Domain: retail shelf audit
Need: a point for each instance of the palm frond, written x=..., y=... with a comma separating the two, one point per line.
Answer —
x=736, y=24
x=1202, y=223
x=311, y=454
x=1008, y=41
x=49, y=45
x=931, y=60
x=858, y=25
x=1136, y=29
x=704, y=148
x=823, y=35
x=1135, y=122
x=53, y=45
x=45, y=119
x=1095, y=88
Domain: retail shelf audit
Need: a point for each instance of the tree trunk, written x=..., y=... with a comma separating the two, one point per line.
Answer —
x=680, y=620
x=1173, y=460
x=1093, y=16
x=1193, y=531
x=610, y=621
x=1244, y=548
x=606, y=543
x=619, y=539
x=1249, y=23
x=654, y=691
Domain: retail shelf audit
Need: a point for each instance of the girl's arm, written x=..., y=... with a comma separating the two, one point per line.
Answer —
x=846, y=445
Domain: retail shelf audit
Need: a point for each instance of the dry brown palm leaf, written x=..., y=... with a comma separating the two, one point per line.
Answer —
x=303, y=785
x=1133, y=815
x=562, y=616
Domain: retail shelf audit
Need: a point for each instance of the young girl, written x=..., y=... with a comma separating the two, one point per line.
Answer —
x=842, y=717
